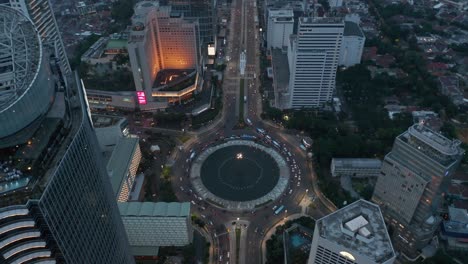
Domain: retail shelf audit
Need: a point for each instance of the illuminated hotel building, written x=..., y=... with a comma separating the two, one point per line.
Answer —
x=164, y=55
x=355, y=234
x=56, y=201
x=411, y=185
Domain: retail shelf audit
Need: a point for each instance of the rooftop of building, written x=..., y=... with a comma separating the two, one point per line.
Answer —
x=321, y=20
x=429, y=142
x=360, y=228
x=100, y=121
x=287, y=12
x=17, y=75
x=154, y=209
x=120, y=161
x=457, y=223
x=280, y=68
x=117, y=44
x=26, y=168
x=352, y=29
x=174, y=79
x=357, y=163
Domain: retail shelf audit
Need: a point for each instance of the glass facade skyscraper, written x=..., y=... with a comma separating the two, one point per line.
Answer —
x=56, y=204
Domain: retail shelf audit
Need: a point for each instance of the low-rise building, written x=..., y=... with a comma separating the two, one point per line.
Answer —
x=109, y=130
x=153, y=225
x=449, y=86
x=355, y=167
x=111, y=100
x=455, y=229
x=353, y=234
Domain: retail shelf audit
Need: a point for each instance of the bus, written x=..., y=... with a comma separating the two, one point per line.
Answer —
x=192, y=156
x=260, y=131
x=281, y=208
x=276, y=144
x=248, y=137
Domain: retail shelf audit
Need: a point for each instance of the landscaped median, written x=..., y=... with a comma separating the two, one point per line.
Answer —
x=241, y=102
x=238, y=233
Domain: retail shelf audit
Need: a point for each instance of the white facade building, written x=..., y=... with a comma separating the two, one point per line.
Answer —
x=313, y=59
x=280, y=27
x=352, y=45
x=353, y=234
x=152, y=225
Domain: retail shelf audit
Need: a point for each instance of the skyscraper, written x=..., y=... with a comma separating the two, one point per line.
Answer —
x=56, y=201
x=42, y=15
x=411, y=186
x=313, y=59
x=353, y=234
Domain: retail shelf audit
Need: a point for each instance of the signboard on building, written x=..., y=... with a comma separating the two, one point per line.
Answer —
x=141, y=97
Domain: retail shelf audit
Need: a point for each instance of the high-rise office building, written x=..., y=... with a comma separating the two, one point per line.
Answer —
x=204, y=11
x=42, y=15
x=353, y=234
x=280, y=27
x=164, y=54
x=411, y=186
x=313, y=60
x=56, y=203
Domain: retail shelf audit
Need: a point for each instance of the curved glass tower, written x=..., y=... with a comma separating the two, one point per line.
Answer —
x=56, y=201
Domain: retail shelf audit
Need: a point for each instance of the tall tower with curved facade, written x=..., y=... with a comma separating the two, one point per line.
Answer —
x=56, y=202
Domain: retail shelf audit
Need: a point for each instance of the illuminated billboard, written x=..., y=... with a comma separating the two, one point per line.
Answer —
x=141, y=97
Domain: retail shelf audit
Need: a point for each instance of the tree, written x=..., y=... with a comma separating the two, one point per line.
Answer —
x=122, y=11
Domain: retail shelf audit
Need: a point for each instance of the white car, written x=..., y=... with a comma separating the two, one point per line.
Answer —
x=274, y=207
x=290, y=191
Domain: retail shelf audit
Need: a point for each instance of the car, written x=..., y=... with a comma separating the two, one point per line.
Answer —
x=193, y=202
x=298, y=183
x=199, y=198
x=182, y=188
x=274, y=207
x=290, y=191
x=202, y=215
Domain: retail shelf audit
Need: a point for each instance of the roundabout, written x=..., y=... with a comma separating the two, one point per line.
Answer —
x=239, y=175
